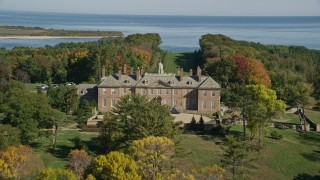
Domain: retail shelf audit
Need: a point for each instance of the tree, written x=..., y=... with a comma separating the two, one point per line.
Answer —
x=9, y=136
x=25, y=110
x=193, y=124
x=56, y=120
x=153, y=156
x=135, y=117
x=56, y=174
x=114, y=165
x=201, y=124
x=16, y=162
x=78, y=162
x=235, y=156
x=262, y=104
x=64, y=98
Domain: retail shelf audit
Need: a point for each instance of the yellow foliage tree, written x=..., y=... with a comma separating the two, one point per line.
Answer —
x=56, y=174
x=114, y=165
x=153, y=155
x=211, y=172
x=16, y=162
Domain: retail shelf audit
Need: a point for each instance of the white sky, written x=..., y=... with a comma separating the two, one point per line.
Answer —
x=171, y=7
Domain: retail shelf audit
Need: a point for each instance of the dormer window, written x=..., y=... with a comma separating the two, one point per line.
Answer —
x=145, y=82
x=171, y=82
x=127, y=81
x=189, y=82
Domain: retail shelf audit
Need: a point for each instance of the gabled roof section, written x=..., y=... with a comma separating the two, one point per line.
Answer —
x=112, y=81
x=209, y=83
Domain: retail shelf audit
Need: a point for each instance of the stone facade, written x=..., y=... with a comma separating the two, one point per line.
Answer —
x=192, y=92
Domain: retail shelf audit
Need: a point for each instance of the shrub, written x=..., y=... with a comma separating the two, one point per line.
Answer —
x=276, y=135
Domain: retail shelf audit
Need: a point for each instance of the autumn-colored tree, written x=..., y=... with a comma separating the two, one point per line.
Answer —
x=114, y=165
x=153, y=156
x=242, y=68
x=16, y=162
x=258, y=74
x=56, y=174
x=78, y=162
x=212, y=172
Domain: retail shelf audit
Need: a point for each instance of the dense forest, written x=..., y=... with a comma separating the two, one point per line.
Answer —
x=292, y=71
x=79, y=62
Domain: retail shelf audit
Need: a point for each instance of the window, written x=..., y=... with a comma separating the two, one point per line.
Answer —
x=175, y=102
x=171, y=82
x=165, y=102
x=189, y=82
x=213, y=93
x=127, y=81
x=204, y=105
x=113, y=102
x=124, y=90
x=212, y=104
x=104, y=102
x=145, y=82
x=113, y=91
x=151, y=91
x=175, y=91
x=167, y=91
x=159, y=91
x=104, y=91
x=143, y=91
x=204, y=93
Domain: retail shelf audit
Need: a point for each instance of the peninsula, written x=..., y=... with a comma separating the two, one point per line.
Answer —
x=22, y=32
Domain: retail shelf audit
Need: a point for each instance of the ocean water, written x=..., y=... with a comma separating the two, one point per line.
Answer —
x=178, y=33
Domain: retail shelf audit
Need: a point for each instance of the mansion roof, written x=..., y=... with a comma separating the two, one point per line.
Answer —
x=160, y=80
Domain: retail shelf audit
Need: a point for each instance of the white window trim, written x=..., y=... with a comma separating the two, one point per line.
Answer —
x=113, y=91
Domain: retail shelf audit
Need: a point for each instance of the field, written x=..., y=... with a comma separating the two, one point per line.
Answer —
x=66, y=141
x=290, y=157
x=175, y=60
x=296, y=154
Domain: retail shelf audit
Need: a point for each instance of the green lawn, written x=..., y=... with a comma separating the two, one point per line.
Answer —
x=174, y=60
x=297, y=153
x=65, y=142
x=314, y=115
x=31, y=86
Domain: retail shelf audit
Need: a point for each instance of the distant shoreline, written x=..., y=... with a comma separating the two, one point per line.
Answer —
x=52, y=37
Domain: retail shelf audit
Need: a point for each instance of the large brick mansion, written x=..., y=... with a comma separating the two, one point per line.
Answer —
x=184, y=92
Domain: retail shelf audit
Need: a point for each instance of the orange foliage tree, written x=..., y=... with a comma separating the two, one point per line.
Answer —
x=79, y=160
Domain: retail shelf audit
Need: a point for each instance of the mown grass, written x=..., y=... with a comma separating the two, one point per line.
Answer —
x=31, y=86
x=314, y=115
x=65, y=143
x=294, y=155
x=173, y=61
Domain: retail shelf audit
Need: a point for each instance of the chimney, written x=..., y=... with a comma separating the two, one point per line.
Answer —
x=199, y=73
x=131, y=70
x=124, y=69
x=191, y=73
x=138, y=75
x=142, y=71
x=119, y=74
x=103, y=71
x=181, y=74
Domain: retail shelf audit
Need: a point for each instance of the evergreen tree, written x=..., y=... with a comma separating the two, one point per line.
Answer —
x=193, y=124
